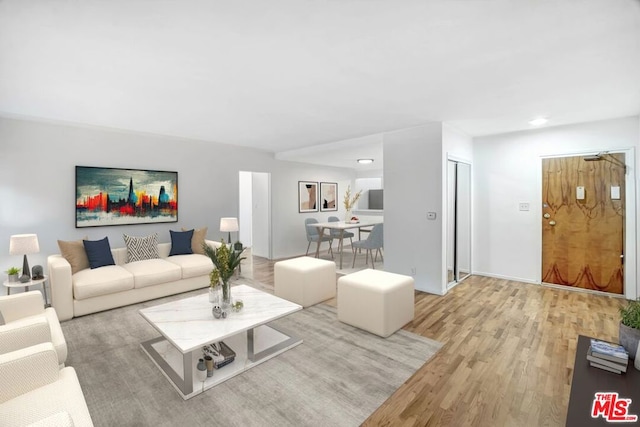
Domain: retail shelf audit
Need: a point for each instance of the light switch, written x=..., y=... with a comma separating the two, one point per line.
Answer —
x=580, y=193
x=615, y=192
x=524, y=206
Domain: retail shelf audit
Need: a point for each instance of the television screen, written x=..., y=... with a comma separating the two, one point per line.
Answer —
x=375, y=199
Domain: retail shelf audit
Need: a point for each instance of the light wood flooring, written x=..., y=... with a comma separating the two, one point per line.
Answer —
x=508, y=353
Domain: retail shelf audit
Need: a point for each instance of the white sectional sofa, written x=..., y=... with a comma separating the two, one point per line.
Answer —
x=92, y=290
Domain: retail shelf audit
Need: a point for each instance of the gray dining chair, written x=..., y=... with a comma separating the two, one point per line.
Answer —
x=374, y=241
x=336, y=234
x=314, y=236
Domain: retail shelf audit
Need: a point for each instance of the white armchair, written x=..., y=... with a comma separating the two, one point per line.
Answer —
x=27, y=322
x=35, y=392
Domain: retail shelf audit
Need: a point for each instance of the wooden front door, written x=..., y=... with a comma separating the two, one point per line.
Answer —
x=583, y=231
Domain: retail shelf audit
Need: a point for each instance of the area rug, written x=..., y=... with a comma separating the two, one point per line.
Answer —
x=337, y=377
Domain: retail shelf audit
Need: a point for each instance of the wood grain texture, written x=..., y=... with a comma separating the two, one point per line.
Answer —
x=508, y=353
x=583, y=248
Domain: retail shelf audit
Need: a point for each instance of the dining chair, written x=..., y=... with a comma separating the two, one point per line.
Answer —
x=336, y=234
x=314, y=236
x=374, y=241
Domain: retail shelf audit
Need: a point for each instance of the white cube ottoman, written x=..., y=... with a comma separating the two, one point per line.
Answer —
x=376, y=301
x=305, y=280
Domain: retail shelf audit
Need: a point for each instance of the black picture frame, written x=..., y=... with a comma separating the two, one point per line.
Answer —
x=307, y=196
x=117, y=196
x=328, y=196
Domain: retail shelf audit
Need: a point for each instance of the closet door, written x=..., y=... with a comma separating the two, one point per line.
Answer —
x=458, y=221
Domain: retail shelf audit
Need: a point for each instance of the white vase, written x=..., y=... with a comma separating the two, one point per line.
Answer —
x=347, y=216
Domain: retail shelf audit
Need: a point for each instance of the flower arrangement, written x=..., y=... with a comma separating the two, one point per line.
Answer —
x=350, y=201
x=226, y=261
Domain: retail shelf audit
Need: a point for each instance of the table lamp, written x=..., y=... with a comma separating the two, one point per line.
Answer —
x=24, y=244
x=229, y=225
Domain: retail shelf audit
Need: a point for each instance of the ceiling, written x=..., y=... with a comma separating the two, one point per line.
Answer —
x=289, y=75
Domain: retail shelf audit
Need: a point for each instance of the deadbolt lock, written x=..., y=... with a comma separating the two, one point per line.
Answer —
x=547, y=215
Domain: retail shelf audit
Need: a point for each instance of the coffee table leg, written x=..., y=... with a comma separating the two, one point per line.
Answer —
x=185, y=384
x=277, y=348
x=187, y=362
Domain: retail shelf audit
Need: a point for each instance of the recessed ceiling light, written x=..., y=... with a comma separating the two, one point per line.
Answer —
x=365, y=161
x=538, y=121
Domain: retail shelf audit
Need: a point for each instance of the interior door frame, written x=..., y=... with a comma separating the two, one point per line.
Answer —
x=445, y=236
x=630, y=239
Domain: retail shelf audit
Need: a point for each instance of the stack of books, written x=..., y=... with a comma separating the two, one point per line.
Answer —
x=608, y=356
x=221, y=354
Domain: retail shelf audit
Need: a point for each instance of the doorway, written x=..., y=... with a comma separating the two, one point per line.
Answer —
x=583, y=221
x=255, y=212
x=458, y=221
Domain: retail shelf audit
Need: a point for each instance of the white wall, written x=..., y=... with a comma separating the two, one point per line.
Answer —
x=506, y=170
x=288, y=224
x=37, y=183
x=413, y=183
x=245, y=209
x=261, y=215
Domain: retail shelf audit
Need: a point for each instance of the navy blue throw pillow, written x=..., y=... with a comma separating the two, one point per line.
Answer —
x=181, y=242
x=98, y=252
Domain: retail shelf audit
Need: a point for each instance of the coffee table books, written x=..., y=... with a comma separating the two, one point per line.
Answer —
x=607, y=356
x=220, y=352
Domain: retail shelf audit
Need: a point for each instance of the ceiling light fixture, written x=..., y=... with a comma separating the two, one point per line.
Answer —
x=538, y=121
x=365, y=161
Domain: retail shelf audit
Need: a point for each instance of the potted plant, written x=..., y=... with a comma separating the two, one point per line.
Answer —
x=13, y=274
x=225, y=261
x=629, y=333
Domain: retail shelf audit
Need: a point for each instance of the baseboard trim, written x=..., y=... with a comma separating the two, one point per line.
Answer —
x=501, y=276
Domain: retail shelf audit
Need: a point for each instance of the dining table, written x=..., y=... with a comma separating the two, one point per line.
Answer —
x=341, y=226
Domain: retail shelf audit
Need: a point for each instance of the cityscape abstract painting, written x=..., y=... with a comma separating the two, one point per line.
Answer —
x=111, y=196
x=307, y=196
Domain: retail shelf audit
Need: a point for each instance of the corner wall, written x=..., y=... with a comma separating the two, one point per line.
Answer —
x=413, y=179
x=507, y=242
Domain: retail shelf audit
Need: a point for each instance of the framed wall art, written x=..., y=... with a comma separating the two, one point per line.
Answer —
x=307, y=196
x=112, y=196
x=328, y=191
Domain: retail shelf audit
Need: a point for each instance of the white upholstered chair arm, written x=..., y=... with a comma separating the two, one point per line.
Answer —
x=59, y=419
x=27, y=369
x=17, y=306
x=24, y=333
x=61, y=285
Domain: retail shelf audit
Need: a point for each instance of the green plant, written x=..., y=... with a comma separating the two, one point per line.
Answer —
x=630, y=314
x=225, y=260
x=12, y=271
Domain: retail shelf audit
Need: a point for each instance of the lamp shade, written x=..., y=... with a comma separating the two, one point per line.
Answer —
x=229, y=224
x=23, y=244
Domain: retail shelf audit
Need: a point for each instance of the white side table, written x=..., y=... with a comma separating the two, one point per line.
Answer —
x=26, y=285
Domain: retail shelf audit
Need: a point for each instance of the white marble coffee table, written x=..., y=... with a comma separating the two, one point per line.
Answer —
x=187, y=325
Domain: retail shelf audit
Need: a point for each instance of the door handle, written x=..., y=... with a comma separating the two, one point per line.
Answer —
x=552, y=223
x=547, y=216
